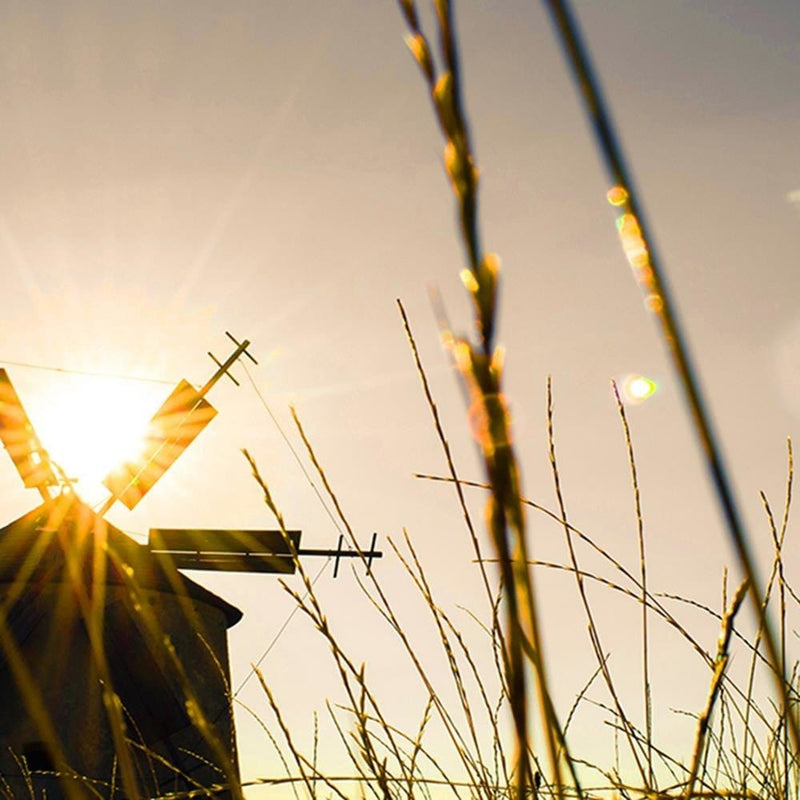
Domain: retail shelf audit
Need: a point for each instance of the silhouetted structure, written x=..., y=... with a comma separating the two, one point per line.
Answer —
x=84, y=611
x=114, y=676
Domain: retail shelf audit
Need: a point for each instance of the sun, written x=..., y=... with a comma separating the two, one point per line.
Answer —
x=89, y=425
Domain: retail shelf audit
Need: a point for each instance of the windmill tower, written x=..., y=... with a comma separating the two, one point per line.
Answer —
x=114, y=672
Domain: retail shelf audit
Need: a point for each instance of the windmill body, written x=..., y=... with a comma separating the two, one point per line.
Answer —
x=114, y=675
x=86, y=609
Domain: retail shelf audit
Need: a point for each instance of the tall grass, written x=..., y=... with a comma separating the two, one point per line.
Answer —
x=482, y=718
x=740, y=746
x=744, y=744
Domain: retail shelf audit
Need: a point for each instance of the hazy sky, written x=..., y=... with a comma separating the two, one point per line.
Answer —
x=169, y=171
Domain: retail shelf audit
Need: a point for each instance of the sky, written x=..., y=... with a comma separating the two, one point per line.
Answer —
x=172, y=171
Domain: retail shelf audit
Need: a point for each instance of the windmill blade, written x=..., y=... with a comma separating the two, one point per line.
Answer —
x=172, y=429
x=227, y=550
x=223, y=550
x=21, y=442
x=175, y=425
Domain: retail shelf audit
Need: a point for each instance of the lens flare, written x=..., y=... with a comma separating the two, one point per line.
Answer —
x=637, y=388
x=617, y=196
x=89, y=425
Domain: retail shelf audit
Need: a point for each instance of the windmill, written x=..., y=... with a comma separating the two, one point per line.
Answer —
x=114, y=673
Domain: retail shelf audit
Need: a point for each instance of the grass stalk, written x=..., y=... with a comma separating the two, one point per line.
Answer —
x=637, y=500
x=640, y=250
x=594, y=633
x=480, y=364
x=721, y=662
x=451, y=467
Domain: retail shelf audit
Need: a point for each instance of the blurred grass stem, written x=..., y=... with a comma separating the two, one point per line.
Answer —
x=659, y=301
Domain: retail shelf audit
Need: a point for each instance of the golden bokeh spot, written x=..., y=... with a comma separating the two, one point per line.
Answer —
x=633, y=243
x=636, y=253
x=491, y=262
x=454, y=164
x=626, y=224
x=447, y=339
x=418, y=47
x=462, y=354
x=479, y=421
x=617, y=196
x=653, y=302
x=469, y=281
x=498, y=361
x=645, y=275
x=490, y=423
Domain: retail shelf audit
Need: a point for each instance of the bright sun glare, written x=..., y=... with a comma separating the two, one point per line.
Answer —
x=91, y=425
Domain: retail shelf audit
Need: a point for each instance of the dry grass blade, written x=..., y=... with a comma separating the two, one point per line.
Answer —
x=451, y=467
x=648, y=700
x=639, y=248
x=594, y=633
x=352, y=678
x=481, y=367
x=776, y=565
x=445, y=629
x=273, y=741
x=720, y=663
x=417, y=743
x=605, y=555
x=472, y=766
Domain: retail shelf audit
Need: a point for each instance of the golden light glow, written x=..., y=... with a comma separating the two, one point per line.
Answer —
x=638, y=256
x=653, y=302
x=637, y=388
x=89, y=425
x=617, y=196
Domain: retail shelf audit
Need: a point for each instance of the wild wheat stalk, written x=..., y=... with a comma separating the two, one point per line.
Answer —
x=480, y=363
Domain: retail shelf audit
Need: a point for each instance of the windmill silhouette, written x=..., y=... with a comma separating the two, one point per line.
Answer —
x=114, y=670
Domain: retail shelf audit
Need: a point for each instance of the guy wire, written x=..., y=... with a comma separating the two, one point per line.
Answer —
x=285, y=625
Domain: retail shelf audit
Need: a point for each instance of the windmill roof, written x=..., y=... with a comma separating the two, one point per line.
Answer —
x=63, y=537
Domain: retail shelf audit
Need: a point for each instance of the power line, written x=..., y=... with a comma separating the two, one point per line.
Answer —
x=84, y=373
x=293, y=450
x=285, y=625
x=321, y=499
x=281, y=630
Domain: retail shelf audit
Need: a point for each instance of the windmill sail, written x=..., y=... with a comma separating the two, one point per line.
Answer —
x=172, y=429
x=227, y=550
x=21, y=441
